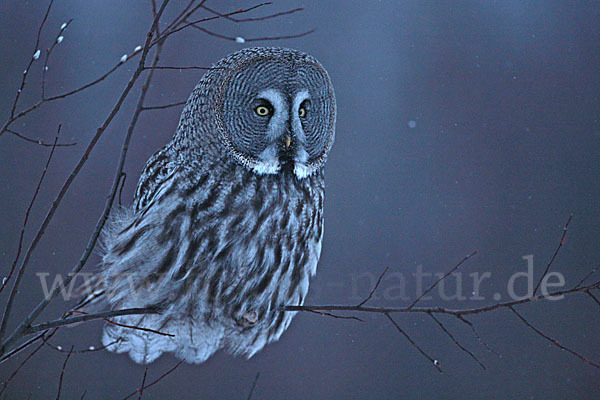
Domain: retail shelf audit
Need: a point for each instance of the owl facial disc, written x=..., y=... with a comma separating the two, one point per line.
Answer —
x=276, y=112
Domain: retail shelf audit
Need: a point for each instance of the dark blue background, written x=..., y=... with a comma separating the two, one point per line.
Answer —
x=506, y=100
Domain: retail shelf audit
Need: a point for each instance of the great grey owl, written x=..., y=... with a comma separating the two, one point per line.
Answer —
x=227, y=220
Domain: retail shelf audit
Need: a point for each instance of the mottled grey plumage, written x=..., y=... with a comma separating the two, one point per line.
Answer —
x=227, y=220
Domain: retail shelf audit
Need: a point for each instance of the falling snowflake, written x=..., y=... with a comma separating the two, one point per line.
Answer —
x=240, y=39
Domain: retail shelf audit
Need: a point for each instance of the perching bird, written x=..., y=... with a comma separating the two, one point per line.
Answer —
x=227, y=220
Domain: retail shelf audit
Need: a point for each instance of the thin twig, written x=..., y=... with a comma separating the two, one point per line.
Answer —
x=87, y=317
x=585, y=278
x=16, y=371
x=593, y=297
x=456, y=342
x=328, y=314
x=442, y=278
x=143, y=383
x=253, y=19
x=179, y=68
x=482, y=342
x=92, y=242
x=90, y=349
x=181, y=103
x=33, y=107
x=441, y=310
x=258, y=39
x=436, y=363
x=139, y=328
x=62, y=373
x=560, y=244
x=49, y=53
x=185, y=13
x=155, y=381
x=38, y=142
x=22, y=347
x=33, y=58
x=253, y=386
x=553, y=341
x=168, y=33
x=374, y=287
x=24, y=226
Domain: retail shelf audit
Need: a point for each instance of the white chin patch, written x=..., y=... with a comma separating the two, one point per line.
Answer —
x=301, y=170
x=273, y=167
x=269, y=163
x=267, y=167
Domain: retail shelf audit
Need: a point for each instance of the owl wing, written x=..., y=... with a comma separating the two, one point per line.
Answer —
x=158, y=168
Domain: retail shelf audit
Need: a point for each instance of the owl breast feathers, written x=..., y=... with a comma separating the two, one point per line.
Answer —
x=227, y=221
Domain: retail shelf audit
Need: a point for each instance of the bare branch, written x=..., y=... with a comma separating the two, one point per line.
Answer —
x=374, y=287
x=258, y=39
x=585, y=278
x=179, y=68
x=560, y=244
x=436, y=363
x=139, y=328
x=90, y=349
x=253, y=386
x=24, y=226
x=42, y=305
x=22, y=347
x=62, y=373
x=456, y=342
x=328, y=314
x=593, y=297
x=279, y=14
x=57, y=40
x=143, y=383
x=442, y=310
x=184, y=14
x=87, y=317
x=16, y=371
x=38, y=142
x=476, y=334
x=553, y=341
x=35, y=56
x=28, y=110
x=442, y=278
x=181, y=103
x=193, y=23
x=155, y=381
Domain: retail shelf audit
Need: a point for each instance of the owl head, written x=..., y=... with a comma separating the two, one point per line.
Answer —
x=272, y=110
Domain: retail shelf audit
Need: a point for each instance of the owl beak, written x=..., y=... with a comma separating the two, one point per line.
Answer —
x=288, y=141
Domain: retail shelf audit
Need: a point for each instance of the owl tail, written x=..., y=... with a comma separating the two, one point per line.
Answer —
x=146, y=337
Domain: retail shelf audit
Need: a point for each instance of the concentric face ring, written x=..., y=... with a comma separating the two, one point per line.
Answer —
x=289, y=73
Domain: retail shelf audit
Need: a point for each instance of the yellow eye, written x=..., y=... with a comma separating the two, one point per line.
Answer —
x=302, y=112
x=262, y=111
